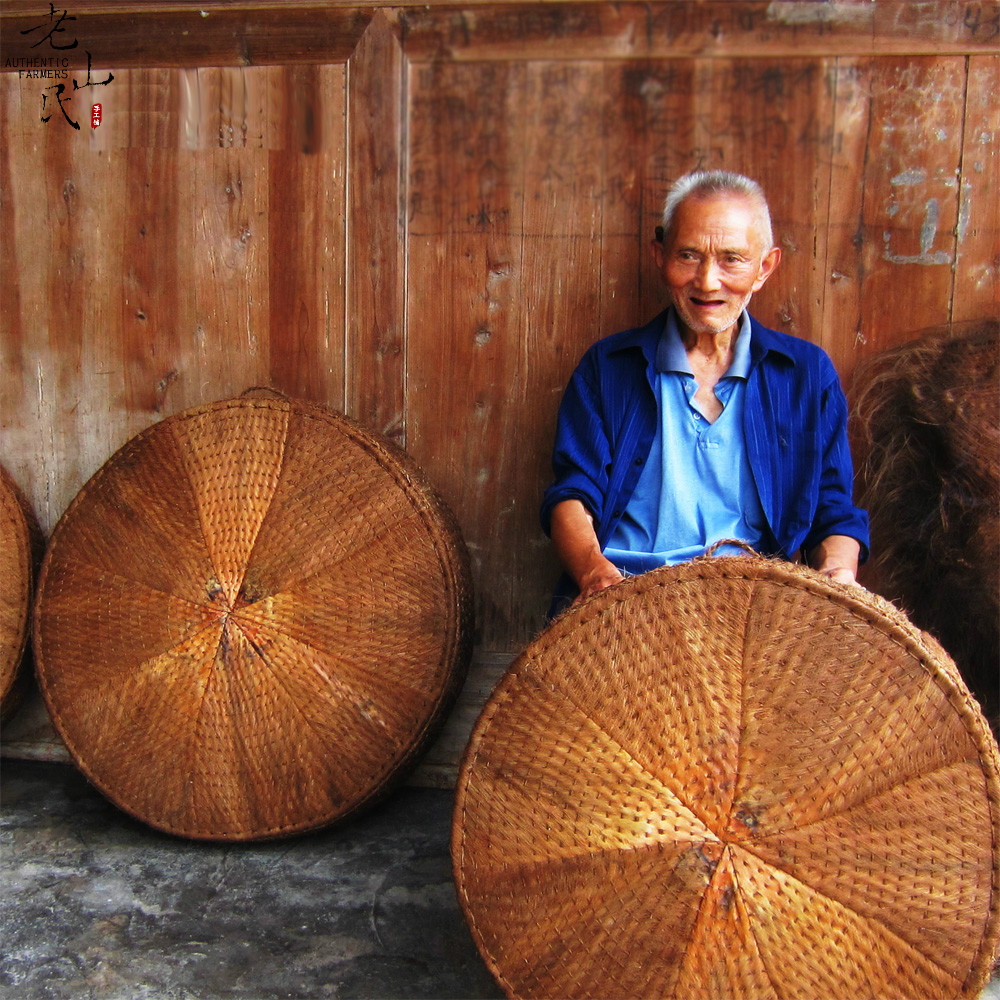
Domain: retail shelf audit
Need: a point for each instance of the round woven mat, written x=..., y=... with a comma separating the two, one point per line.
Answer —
x=16, y=582
x=731, y=779
x=251, y=619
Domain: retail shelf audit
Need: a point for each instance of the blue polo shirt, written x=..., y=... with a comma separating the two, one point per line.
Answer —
x=708, y=492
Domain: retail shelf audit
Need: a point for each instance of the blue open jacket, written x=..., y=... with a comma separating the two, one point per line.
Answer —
x=796, y=436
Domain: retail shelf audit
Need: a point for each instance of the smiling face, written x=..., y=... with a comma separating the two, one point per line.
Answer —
x=712, y=260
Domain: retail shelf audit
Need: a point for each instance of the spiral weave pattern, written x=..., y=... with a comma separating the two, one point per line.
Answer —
x=251, y=619
x=731, y=778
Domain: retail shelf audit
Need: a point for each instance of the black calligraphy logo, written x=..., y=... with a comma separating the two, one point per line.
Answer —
x=56, y=28
x=59, y=92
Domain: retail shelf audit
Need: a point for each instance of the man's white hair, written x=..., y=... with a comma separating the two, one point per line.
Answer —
x=702, y=183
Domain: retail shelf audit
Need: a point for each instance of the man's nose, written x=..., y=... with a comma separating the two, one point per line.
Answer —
x=707, y=275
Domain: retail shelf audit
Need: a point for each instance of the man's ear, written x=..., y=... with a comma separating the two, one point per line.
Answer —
x=767, y=267
x=659, y=254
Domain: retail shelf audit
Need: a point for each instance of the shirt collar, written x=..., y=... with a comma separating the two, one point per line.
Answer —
x=671, y=355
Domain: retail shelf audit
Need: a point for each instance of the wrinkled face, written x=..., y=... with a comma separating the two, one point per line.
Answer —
x=712, y=261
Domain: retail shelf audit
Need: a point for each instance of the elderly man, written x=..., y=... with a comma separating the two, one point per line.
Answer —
x=703, y=425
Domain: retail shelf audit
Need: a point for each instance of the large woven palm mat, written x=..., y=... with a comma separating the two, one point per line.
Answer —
x=731, y=779
x=16, y=582
x=251, y=619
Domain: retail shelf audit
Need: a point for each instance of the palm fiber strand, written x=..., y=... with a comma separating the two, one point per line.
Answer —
x=928, y=413
x=17, y=573
x=252, y=619
x=732, y=778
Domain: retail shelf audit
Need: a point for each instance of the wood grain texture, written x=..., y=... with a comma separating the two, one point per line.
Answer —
x=153, y=259
x=307, y=223
x=187, y=34
x=911, y=196
x=424, y=213
x=252, y=34
x=977, y=265
x=465, y=364
x=716, y=29
x=374, y=257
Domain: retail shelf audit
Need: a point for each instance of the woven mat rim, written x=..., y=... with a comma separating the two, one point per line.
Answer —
x=14, y=513
x=877, y=611
x=449, y=546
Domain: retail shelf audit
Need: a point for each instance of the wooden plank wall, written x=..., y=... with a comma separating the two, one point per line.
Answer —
x=422, y=214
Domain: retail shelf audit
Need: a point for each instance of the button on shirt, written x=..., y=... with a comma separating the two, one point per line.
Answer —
x=697, y=486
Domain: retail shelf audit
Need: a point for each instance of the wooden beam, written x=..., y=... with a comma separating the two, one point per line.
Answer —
x=186, y=35
x=703, y=29
x=246, y=34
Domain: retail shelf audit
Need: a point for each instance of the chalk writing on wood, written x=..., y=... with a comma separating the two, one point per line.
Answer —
x=978, y=23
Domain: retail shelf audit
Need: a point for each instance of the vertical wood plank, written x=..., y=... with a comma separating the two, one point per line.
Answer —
x=143, y=263
x=23, y=252
x=624, y=152
x=306, y=232
x=794, y=138
x=12, y=136
x=765, y=119
x=229, y=261
x=376, y=335
x=911, y=200
x=465, y=378
x=576, y=243
x=756, y=117
x=895, y=266
x=652, y=127
x=140, y=110
x=232, y=108
x=977, y=271
x=152, y=306
x=844, y=273
x=65, y=235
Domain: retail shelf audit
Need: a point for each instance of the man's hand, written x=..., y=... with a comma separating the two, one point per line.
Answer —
x=576, y=544
x=836, y=557
x=603, y=574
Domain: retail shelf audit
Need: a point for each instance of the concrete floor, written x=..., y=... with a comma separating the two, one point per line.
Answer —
x=96, y=906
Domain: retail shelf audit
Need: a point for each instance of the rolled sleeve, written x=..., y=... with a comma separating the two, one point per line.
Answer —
x=582, y=453
x=836, y=513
